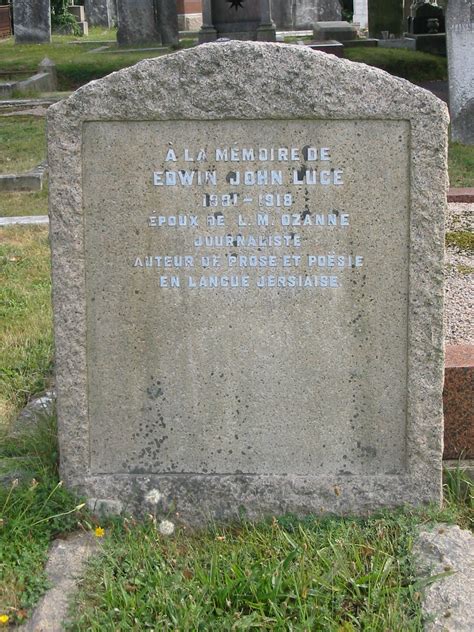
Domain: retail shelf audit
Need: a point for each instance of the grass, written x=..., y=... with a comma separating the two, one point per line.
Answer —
x=23, y=143
x=25, y=311
x=462, y=239
x=412, y=65
x=283, y=574
x=75, y=64
x=341, y=574
x=21, y=204
x=461, y=165
x=34, y=509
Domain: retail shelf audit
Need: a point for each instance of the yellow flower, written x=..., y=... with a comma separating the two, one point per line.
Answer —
x=99, y=532
x=4, y=619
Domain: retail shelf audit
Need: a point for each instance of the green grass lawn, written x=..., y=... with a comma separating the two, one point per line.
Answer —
x=26, y=341
x=22, y=142
x=75, y=64
x=461, y=165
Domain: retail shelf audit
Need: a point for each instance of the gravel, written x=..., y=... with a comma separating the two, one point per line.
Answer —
x=459, y=278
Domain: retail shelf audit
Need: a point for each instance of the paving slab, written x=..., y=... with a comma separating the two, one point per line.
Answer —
x=26, y=220
x=63, y=568
x=447, y=551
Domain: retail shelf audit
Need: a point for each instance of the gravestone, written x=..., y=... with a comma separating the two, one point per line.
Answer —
x=137, y=22
x=248, y=291
x=340, y=31
x=100, y=12
x=147, y=21
x=302, y=14
x=32, y=21
x=460, y=48
x=426, y=18
x=385, y=15
x=168, y=20
x=237, y=19
x=361, y=13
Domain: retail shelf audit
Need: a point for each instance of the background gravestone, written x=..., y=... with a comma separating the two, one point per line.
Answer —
x=147, y=21
x=101, y=12
x=460, y=45
x=32, y=21
x=385, y=15
x=248, y=291
x=302, y=14
x=237, y=19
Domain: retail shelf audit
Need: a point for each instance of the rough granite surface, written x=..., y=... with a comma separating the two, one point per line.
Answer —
x=448, y=551
x=236, y=81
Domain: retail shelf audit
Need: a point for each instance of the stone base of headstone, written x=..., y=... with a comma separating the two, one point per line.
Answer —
x=329, y=46
x=189, y=21
x=434, y=44
x=266, y=33
x=207, y=34
x=408, y=43
x=339, y=31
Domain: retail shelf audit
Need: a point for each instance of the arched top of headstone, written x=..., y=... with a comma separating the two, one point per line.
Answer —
x=249, y=80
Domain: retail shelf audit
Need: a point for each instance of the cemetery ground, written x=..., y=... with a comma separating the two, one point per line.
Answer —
x=332, y=574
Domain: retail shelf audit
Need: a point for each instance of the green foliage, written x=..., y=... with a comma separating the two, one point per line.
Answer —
x=62, y=19
x=412, y=65
x=34, y=508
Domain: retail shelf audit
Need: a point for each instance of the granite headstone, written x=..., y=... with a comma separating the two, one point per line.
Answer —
x=248, y=284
